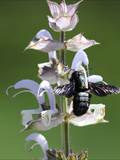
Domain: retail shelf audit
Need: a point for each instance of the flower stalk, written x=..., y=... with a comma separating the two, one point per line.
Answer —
x=66, y=129
x=73, y=83
x=62, y=51
x=65, y=125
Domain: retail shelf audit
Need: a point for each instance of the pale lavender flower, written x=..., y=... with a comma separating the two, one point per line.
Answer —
x=64, y=17
x=79, y=59
x=48, y=116
x=41, y=141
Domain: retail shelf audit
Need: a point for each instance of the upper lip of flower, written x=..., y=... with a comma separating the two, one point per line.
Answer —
x=40, y=140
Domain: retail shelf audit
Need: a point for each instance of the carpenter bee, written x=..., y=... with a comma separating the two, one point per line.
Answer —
x=82, y=87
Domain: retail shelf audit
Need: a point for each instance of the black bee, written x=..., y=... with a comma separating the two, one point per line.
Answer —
x=82, y=91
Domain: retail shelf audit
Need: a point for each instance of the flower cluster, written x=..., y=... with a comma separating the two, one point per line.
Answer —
x=73, y=82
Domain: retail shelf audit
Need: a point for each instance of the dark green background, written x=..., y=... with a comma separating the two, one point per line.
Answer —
x=19, y=21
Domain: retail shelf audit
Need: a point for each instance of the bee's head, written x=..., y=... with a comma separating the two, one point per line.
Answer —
x=79, y=78
x=76, y=75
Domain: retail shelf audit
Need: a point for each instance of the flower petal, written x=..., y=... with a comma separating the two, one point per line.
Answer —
x=95, y=78
x=80, y=56
x=94, y=115
x=63, y=23
x=73, y=23
x=46, y=87
x=72, y=8
x=52, y=55
x=54, y=8
x=27, y=84
x=41, y=140
x=47, y=72
x=52, y=24
x=63, y=7
x=45, y=34
x=40, y=35
x=32, y=87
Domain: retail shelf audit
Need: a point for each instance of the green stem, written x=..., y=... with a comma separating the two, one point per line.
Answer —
x=64, y=102
x=62, y=52
x=66, y=131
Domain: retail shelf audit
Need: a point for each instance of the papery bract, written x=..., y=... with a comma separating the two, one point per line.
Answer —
x=79, y=42
x=43, y=42
x=64, y=17
x=94, y=115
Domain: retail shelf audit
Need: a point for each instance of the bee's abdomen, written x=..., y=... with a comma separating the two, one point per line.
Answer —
x=81, y=103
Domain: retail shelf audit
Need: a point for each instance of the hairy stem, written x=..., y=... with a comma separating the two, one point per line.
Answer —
x=64, y=104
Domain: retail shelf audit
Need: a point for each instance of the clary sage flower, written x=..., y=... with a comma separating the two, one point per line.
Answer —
x=64, y=17
x=46, y=117
x=41, y=141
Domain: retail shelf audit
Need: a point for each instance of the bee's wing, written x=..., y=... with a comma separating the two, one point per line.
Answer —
x=101, y=89
x=67, y=90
